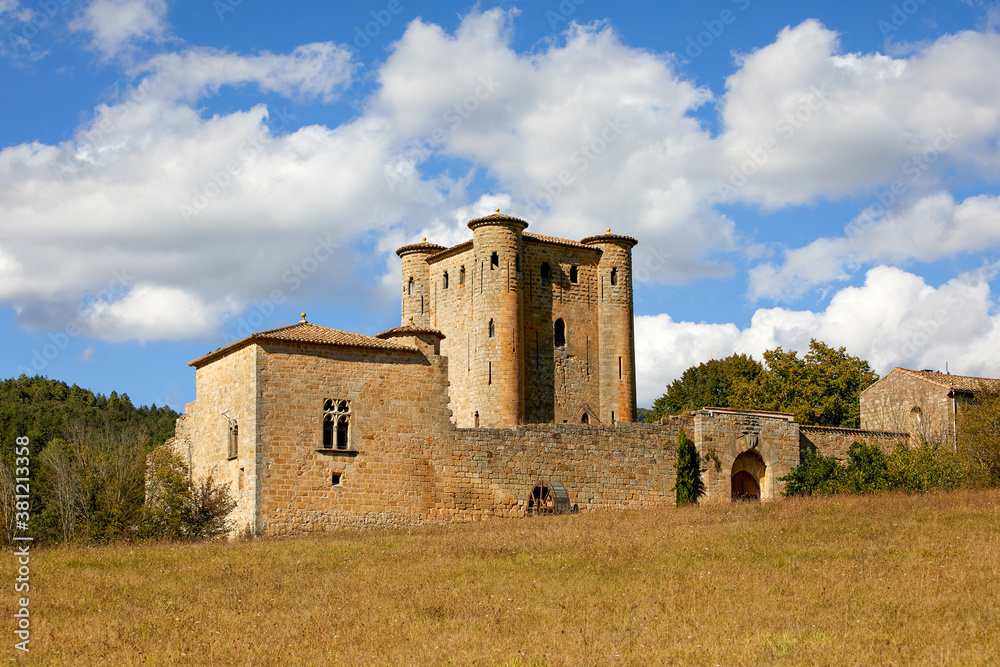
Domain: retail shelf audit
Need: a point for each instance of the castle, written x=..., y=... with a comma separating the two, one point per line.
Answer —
x=508, y=388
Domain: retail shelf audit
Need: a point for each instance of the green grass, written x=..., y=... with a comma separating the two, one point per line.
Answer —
x=892, y=579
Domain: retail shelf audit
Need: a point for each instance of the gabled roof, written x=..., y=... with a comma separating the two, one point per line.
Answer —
x=953, y=382
x=303, y=332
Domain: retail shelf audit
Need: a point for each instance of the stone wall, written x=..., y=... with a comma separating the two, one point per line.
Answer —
x=836, y=442
x=904, y=402
x=226, y=391
x=399, y=409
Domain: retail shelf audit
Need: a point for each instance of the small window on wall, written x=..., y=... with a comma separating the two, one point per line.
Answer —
x=445, y=280
x=517, y=263
x=336, y=424
x=546, y=272
x=573, y=274
x=614, y=277
x=492, y=329
x=559, y=334
x=585, y=419
x=494, y=261
x=335, y=479
x=409, y=287
x=233, y=449
x=461, y=275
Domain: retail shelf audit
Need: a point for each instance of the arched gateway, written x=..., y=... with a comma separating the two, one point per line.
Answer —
x=748, y=471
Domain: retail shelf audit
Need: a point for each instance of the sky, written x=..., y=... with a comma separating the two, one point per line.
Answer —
x=175, y=175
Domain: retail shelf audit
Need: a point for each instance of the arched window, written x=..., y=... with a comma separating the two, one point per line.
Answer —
x=560, y=333
x=493, y=329
x=461, y=275
x=494, y=261
x=573, y=274
x=409, y=287
x=546, y=271
x=336, y=424
x=342, y=426
x=476, y=417
x=614, y=277
x=446, y=280
x=327, y=431
x=585, y=419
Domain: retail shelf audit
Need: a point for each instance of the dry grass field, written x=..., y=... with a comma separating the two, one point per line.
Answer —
x=894, y=579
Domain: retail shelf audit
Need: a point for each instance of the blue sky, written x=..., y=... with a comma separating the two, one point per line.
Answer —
x=176, y=175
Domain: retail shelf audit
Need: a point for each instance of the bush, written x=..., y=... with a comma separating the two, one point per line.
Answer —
x=690, y=486
x=870, y=470
x=177, y=508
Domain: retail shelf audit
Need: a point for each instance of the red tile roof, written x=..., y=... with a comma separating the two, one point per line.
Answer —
x=954, y=382
x=303, y=332
x=410, y=330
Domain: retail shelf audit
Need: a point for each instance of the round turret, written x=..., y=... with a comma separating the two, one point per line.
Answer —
x=416, y=282
x=498, y=368
x=617, y=327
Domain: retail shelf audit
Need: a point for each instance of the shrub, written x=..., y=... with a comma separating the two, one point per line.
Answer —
x=690, y=486
x=815, y=474
x=177, y=508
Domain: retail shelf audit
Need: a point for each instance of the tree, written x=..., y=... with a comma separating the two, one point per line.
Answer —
x=821, y=388
x=979, y=434
x=709, y=384
x=168, y=492
x=205, y=515
x=690, y=486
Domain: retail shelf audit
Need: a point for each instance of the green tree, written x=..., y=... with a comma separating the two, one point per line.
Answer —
x=979, y=435
x=690, y=486
x=709, y=384
x=168, y=493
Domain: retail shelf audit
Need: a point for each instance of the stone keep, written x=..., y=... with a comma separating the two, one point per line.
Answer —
x=537, y=329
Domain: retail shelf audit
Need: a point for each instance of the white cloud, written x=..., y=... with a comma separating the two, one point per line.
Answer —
x=117, y=25
x=316, y=70
x=894, y=319
x=932, y=228
x=804, y=121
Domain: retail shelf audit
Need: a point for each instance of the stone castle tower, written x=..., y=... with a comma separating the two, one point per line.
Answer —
x=537, y=329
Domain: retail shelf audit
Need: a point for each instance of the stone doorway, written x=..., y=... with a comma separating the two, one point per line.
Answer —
x=748, y=470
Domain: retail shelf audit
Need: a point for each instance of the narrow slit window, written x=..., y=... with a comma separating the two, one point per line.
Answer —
x=409, y=287
x=489, y=372
x=494, y=261
x=445, y=282
x=614, y=277
x=234, y=439
x=492, y=329
x=573, y=274
x=560, y=333
x=619, y=368
x=461, y=275
x=517, y=263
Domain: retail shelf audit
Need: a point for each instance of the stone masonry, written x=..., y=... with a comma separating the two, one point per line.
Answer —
x=513, y=372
